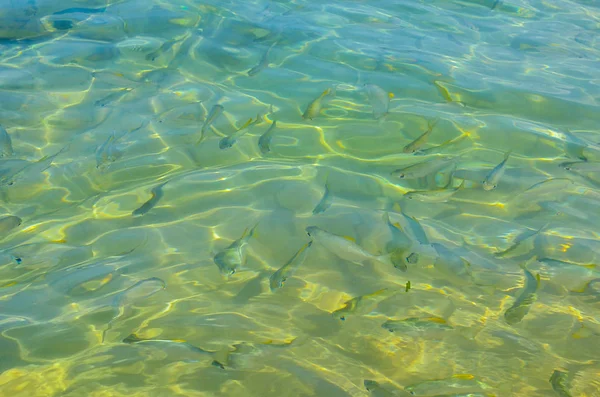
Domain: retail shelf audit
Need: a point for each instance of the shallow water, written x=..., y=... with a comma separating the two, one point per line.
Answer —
x=139, y=258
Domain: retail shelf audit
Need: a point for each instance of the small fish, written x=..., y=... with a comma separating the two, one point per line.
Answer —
x=180, y=342
x=376, y=389
x=415, y=145
x=8, y=223
x=36, y=167
x=262, y=64
x=523, y=244
x=450, y=264
x=278, y=278
x=354, y=304
x=157, y=194
x=415, y=325
x=398, y=245
x=492, y=179
x=215, y=112
x=230, y=140
x=528, y=296
x=344, y=248
x=325, y=201
x=113, y=97
x=581, y=166
x=442, y=146
x=6, y=149
x=380, y=100
x=314, y=108
x=234, y=255
x=458, y=385
x=107, y=153
x=264, y=142
x=435, y=195
x=424, y=168
x=411, y=224
x=137, y=292
x=558, y=381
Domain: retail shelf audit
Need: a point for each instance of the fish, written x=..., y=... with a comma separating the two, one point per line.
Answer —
x=113, y=97
x=435, y=195
x=354, y=304
x=262, y=64
x=411, y=224
x=37, y=166
x=314, y=108
x=344, y=248
x=450, y=264
x=458, y=385
x=264, y=142
x=379, y=99
x=376, y=389
x=325, y=201
x=107, y=153
x=278, y=278
x=233, y=256
x=416, y=325
x=523, y=244
x=558, y=381
x=230, y=140
x=6, y=149
x=444, y=145
x=398, y=246
x=8, y=223
x=415, y=145
x=491, y=180
x=133, y=338
x=137, y=292
x=215, y=112
x=424, y=168
x=157, y=194
x=581, y=166
x=528, y=296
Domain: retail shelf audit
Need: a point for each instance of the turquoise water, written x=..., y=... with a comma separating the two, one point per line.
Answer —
x=218, y=198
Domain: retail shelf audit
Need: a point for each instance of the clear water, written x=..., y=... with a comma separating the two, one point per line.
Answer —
x=104, y=295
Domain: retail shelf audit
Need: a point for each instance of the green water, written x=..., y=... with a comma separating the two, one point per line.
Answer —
x=141, y=256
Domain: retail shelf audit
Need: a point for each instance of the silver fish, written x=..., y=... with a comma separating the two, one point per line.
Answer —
x=6, y=148
x=157, y=194
x=278, y=278
x=107, y=153
x=234, y=255
x=8, y=223
x=492, y=179
x=325, y=201
x=528, y=296
x=264, y=142
x=581, y=166
x=113, y=97
x=262, y=64
x=343, y=247
x=424, y=168
x=137, y=292
x=416, y=145
x=215, y=112
x=380, y=100
x=230, y=140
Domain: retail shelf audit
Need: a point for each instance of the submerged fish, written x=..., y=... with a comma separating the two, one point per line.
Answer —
x=380, y=100
x=424, y=168
x=435, y=195
x=398, y=246
x=524, y=244
x=528, y=296
x=6, y=148
x=344, y=248
x=376, y=389
x=36, y=167
x=229, y=141
x=113, y=97
x=457, y=385
x=262, y=64
x=492, y=179
x=450, y=264
x=107, y=153
x=581, y=166
x=325, y=201
x=264, y=142
x=354, y=304
x=234, y=255
x=8, y=223
x=314, y=108
x=137, y=292
x=558, y=381
x=157, y=194
x=278, y=278
x=215, y=112
x=416, y=325
x=415, y=145
x=180, y=342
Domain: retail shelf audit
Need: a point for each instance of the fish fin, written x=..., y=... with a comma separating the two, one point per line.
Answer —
x=246, y=124
x=396, y=207
x=390, y=95
x=462, y=185
x=507, y=154
x=350, y=238
x=464, y=376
